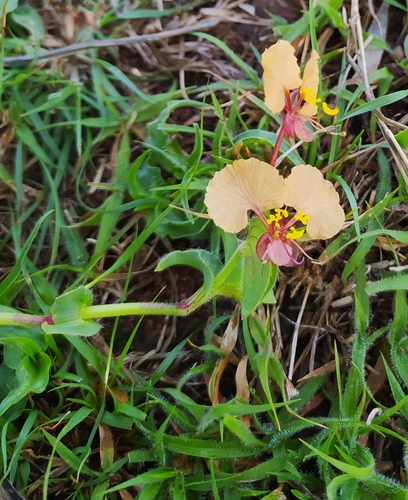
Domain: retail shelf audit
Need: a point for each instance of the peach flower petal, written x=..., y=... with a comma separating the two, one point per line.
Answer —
x=280, y=252
x=281, y=73
x=308, y=190
x=303, y=131
x=310, y=81
x=245, y=185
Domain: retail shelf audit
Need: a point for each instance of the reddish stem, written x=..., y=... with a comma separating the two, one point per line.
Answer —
x=278, y=143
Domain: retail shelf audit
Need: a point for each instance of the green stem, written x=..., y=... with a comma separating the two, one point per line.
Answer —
x=183, y=308
x=20, y=319
x=131, y=309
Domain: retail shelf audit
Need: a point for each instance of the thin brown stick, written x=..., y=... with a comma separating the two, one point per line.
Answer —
x=13, y=62
x=399, y=155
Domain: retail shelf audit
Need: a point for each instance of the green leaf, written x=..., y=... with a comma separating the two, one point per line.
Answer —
x=263, y=361
x=206, y=262
x=250, y=137
x=256, y=275
x=137, y=13
x=352, y=470
x=377, y=103
x=15, y=272
x=362, y=303
x=29, y=19
x=333, y=15
x=397, y=282
x=66, y=312
x=32, y=375
x=402, y=138
x=399, y=323
x=54, y=100
x=17, y=348
x=396, y=389
x=208, y=449
x=109, y=219
x=241, y=431
x=158, y=475
x=136, y=189
x=9, y=5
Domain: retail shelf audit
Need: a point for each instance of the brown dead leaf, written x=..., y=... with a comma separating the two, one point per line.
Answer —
x=229, y=339
x=316, y=400
x=385, y=244
x=290, y=389
x=378, y=377
x=184, y=463
x=323, y=370
x=121, y=396
x=242, y=387
x=125, y=495
x=106, y=447
x=227, y=344
x=215, y=379
x=67, y=24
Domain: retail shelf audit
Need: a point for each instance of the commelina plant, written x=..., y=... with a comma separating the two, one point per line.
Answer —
x=304, y=202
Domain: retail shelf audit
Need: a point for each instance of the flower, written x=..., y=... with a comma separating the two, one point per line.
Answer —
x=232, y=192
x=286, y=90
x=302, y=203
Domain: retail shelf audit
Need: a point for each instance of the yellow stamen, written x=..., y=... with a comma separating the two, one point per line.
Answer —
x=271, y=219
x=280, y=213
x=295, y=233
x=309, y=95
x=302, y=217
x=328, y=110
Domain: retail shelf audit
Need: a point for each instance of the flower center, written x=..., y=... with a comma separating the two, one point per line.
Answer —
x=279, y=228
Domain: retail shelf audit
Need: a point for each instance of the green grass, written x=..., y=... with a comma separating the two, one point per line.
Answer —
x=90, y=179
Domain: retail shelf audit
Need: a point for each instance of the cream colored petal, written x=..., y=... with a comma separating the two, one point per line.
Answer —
x=245, y=185
x=308, y=190
x=310, y=81
x=308, y=110
x=281, y=72
x=274, y=95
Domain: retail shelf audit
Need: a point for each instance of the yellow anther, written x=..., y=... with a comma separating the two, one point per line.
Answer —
x=302, y=217
x=328, y=110
x=309, y=95
x=281, y=212
x=274, y=219
x=295, y=233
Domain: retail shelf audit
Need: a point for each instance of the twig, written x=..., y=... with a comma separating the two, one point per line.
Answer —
x=13, y=62
x=296, y=331
x=398, y=153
